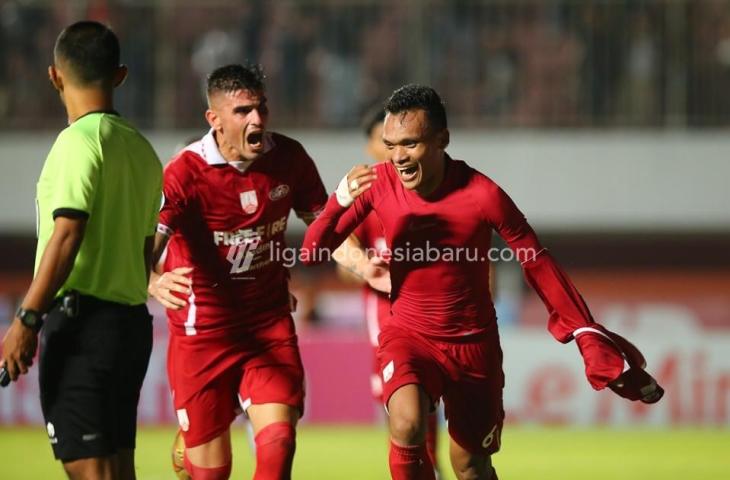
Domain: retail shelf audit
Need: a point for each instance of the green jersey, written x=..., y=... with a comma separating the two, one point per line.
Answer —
x=102, y=168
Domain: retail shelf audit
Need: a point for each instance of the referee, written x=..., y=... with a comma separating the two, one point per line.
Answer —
x=98, y=198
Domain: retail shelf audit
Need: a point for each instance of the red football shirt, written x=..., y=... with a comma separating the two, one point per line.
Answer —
x=441, y=250
x=227, y=221
x=377, y=304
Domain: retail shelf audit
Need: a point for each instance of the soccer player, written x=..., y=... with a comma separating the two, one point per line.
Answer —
x=370, y=236
x=441, y=341
x=232, y=339
x=98, y=199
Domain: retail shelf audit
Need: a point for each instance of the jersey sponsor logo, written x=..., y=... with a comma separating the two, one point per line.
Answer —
x=249, y=201
x=262, y=232
x=491, y=437
x=388, y=371
x=240, y=255
x=279, y=192
x=183, y=420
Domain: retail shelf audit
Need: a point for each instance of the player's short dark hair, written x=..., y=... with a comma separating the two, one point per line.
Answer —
x=419, y=97
x=231, y=78
x=91, y=51
x=372, y=117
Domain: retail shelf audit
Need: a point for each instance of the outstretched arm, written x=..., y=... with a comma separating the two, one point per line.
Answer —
x=566, y=308
x=610, y=360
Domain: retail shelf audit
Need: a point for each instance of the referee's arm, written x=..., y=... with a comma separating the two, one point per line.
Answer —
x=20, y=342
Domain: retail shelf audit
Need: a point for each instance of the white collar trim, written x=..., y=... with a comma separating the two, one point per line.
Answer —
x=208, y=150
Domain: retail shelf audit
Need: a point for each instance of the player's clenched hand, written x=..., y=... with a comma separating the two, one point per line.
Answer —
x=19, y=347
x=377, y=274
x=359, y=179
x=162, y=287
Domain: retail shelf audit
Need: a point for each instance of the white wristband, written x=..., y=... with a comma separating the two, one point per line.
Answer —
x=343, y=193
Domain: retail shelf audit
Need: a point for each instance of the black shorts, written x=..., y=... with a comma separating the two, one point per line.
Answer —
x=92, y=365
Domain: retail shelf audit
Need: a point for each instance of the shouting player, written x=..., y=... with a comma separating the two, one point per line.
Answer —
x=441, y=341
x=232, y=339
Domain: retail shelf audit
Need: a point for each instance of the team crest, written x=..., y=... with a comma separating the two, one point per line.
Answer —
x=249, y=201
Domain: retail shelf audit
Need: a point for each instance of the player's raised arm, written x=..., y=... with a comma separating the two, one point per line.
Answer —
x=604, y=353
x=345, y=209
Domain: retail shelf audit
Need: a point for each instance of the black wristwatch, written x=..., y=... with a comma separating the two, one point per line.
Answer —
x=30, y=318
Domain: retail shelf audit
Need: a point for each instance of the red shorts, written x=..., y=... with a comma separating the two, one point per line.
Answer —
x=467, y=375
x=213, y=379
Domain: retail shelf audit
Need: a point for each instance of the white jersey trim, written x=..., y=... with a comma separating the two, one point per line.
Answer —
x=371, y=316
x=207, y=149
x=192, y=312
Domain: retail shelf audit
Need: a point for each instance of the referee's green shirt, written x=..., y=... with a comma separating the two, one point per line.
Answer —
x=103, y=167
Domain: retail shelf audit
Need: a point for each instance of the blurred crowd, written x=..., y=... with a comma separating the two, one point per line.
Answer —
x=528, y=63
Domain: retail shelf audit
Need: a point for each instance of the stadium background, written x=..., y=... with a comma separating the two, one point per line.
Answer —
x=606, y=121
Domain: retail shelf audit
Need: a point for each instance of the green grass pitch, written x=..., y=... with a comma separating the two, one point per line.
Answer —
x=353, y=453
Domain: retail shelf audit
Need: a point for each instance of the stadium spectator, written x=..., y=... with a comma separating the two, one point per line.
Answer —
x=441, y=340
x=533, y=63
x=225, y=285
x=98, y=199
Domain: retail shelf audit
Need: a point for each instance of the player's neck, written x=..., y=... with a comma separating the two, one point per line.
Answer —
x=79, y=102
x=228, y=153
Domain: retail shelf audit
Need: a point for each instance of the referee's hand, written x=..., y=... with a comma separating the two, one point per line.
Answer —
x=19, y=347
x=162, y=287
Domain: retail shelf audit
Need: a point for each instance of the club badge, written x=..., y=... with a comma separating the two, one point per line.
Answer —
x=249, y=201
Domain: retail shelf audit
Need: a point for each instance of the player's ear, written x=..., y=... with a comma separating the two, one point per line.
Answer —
x=55, y=78
x=120, y=75
x=443, y=139
x=213, y=119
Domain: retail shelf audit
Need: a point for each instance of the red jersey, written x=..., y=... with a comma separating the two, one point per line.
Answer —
x=377, y=304
x=440, y=251
x=227, y=221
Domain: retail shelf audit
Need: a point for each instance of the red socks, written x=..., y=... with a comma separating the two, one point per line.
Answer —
x=201, y=473
x=275, y=445
x=410, y=463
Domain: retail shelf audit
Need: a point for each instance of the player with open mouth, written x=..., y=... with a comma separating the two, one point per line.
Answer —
x=442, y=341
